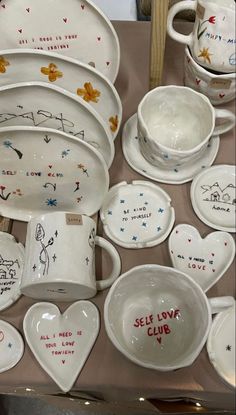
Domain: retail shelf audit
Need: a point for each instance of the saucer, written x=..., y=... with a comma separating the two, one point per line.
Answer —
x=137, y=215
x=205, y=260
x=213, y=197
x=221, y=345
x=61, y=343
x=11, y=267
x=181, y=174
x=11, y=346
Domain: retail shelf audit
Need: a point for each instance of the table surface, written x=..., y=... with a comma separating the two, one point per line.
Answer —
x=107, y=374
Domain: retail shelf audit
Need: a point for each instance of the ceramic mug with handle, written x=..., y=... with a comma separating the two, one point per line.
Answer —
x=60, y=258
x=212, y=41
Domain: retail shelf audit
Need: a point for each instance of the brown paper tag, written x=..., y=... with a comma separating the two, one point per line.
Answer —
x=200, y=11
x=218, y=83
x=73, y=219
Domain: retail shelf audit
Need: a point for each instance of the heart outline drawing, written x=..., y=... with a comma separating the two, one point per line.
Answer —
x=217, y=246
x=62, y=342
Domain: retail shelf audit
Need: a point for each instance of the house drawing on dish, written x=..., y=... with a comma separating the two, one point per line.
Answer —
x=220, y=194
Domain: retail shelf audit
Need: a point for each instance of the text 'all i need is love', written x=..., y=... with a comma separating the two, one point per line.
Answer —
x=156, y=325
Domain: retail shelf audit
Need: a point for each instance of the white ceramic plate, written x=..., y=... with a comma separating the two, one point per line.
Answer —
x=61, y=343
x=39, y=104
x=73, y=28
x=137, y=215
x=11, y=346
x=221, y=345
x=26, y=65
x=205, y=260
x=11, y=267
x=44, y=170
x=137, y=162
x=213, y=197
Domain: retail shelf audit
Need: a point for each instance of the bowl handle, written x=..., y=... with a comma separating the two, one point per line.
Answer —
x=219, y=304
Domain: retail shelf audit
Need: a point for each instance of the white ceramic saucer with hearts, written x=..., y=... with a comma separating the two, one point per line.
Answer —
x=205, y=260
x=61, y=343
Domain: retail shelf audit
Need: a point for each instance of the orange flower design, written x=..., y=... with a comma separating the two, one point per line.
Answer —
x=114, y=123
x=89, y=93
x=204, y=53
x=52, y=72
x=3, y=64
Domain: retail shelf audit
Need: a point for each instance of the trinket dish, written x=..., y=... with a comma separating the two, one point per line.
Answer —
x=213, y=197
x=179, y=175
x=137, y=215
x=11, y=346
x=44, y=170
x=61, y=343
x=11, y=267
x=205, y=260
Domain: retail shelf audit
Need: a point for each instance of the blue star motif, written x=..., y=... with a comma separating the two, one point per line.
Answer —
x=136, y=138
x=122, y=201
x=134, y=238
x=146, y=203
x=166, y=156
x=9, y=345
x=51, y=202
x=144, y=224
x=160, y=210
x=203, y=167
x=109, y=212
x=158, y=229
x=140, y=194
x=176, y=170
x=65, y=153
x=122, y=229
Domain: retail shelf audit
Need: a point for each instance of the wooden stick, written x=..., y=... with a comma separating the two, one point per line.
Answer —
x=5, y=224
x=159, y=14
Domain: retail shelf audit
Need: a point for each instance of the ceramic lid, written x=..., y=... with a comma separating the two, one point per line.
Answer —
x=11, y=346
x=137, y=215
x=213, y=197
x=11, y=267
x=221, y=345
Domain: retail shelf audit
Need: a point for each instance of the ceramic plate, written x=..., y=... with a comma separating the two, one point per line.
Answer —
x=68, y=73
x=62, y=343
x=11, y=346
x=43, y=105
x=73, y=28
x=137, y=215
x=137, y=162
x=205, y=260
x=213, y=197
x=221, y=345
x=43, y=170
x=11, y=267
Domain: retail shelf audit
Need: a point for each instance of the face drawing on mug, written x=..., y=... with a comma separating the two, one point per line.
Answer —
x=91, y=239
x=43, y=255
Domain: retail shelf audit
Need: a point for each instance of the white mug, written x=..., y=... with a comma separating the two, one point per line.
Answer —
x=159, y=317
x=219, y=88
x=60, y=258
x=175, y=124
x=212, y=41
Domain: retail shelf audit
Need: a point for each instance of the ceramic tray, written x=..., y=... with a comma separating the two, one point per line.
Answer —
x=11, y=267
x=221, y=345
x=213, y=197
x=43, y=170
x=205, y=260
x=182, y=174
x=24, y=65
x=137, y=215
x=73, y=28
x=43, y=105
x=11, y=346
x=61, y=343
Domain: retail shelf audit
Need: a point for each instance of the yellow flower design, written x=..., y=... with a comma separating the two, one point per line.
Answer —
x=3, y=64
x=52, y=72
x=89, y=93
x=204, y=53
x=114, y=123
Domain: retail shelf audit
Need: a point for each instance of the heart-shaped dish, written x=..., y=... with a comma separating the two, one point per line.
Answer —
x=61, y=343
x=205, y=260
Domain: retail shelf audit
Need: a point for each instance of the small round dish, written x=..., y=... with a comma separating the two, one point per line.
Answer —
x=221, y=345
x=213, y=197
x=11, y=346
x=11, y=267
x=137, y=215
x=179, y=175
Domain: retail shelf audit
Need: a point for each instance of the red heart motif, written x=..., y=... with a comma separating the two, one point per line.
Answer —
x=98, y=38
x=213, y=254
x=226, y=244
x=82, y=6
x=190, y=240
x=108, y=63
x=63, y=361
x=221, y=95
x=65, y=19
x=28, y=9
x=213, y=270
x=3, y=5
x=50, y=166
x=176, y=231
x=198, y=81
x=20, y=30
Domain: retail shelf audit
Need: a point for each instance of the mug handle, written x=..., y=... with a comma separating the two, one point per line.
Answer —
x=227, y=125
x=116, y=263
x=219, y=304
x=176, y=8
